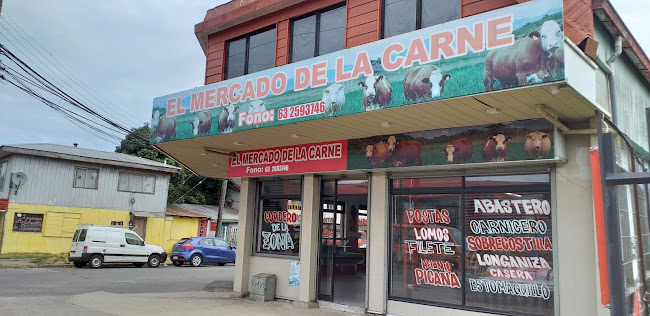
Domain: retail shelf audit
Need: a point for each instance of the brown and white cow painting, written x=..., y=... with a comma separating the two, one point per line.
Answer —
x=530, y=60
x=538, y=145
x=202, y=123
x=495, y=148
x=459, y=150
x=163, y=128
x=377, y=92
x=424, y=82
x=377, y=153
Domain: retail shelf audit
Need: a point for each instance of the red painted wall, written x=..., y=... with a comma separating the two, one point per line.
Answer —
x=363, y=25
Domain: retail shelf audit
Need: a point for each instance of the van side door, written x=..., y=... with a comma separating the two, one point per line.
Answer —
x=114, y=248
x=135, y=250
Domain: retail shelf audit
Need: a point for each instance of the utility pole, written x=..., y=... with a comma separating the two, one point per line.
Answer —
x=222, y=205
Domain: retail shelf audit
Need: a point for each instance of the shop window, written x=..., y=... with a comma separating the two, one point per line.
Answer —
x=403, y=16
x=318, y=34
x=138, y=183
x=251, y=53
x=85, y=178
x=278, y=218
x=486, y=248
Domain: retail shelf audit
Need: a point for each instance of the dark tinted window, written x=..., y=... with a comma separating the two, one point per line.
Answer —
x=304, y=38
x=399, y=17
x=332, y=31
x=318, y=34
x=402, y=16
x=282, y=188
x=75, y=236
x=439, y=11
x=82, y=235
x=252, y=53
x=261, y=51
x=237, y=58
x=182, y=241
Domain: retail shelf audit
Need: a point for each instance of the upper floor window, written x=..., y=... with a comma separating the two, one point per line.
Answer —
x=138, y=183
x=85, y=178
x=251, y=53
x=318, y=34
x=402, y=16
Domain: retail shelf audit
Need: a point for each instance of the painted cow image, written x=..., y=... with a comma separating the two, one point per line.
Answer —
x=391, y=143
x=163, y=128
x=377, y=92
x=202, y=123
x=530, y=60
x=377, y=153
x=424, y=82
x=256, y=106
x=459, y=150
x=406, y=153
x=334, y=98
x=538, y=145
x=226, y=121
x=495, y=148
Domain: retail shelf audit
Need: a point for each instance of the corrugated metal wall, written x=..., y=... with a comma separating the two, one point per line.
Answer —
x=50, y=182
x=632, y=90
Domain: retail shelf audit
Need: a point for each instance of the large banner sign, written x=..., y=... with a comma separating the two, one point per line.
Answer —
x=513, y=141
x=512, y=47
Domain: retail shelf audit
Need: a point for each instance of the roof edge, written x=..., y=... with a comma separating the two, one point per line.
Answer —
x=236, y=12
x=49, y=154
x=607, y=15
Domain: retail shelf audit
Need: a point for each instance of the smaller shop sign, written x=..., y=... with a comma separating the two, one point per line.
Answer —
x=4, y=205
x=321, y=157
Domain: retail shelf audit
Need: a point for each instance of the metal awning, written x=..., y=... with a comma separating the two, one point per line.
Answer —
x=148, y=214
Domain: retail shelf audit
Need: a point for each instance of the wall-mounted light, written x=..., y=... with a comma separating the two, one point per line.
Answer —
x=385, y=124
x=296, y=135
x=493, y=111
x=237, y=143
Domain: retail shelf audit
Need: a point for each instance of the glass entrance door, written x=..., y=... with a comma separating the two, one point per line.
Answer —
x=343, y=241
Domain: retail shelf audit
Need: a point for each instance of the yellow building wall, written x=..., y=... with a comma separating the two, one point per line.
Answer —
x=59, y=224
x=165, y=233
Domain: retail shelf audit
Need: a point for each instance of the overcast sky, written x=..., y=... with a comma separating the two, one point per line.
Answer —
x=128, y=52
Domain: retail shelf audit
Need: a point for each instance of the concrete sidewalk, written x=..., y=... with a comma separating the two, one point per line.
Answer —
x=196, y=303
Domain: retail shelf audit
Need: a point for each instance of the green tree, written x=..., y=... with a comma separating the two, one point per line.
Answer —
x=185, y=186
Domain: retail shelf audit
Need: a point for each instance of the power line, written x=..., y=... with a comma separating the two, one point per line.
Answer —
x=65, y=72
x=49, y=70
x=96, y=122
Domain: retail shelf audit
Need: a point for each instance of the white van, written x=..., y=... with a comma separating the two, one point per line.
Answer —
x=99, y=244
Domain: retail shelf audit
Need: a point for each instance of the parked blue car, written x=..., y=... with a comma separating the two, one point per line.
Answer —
x=199, y=250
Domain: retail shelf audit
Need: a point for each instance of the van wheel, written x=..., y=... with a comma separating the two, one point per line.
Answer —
x=196, y=260
x=154, y=261
x=138, y=264
x=96, y=261
x=80, y=264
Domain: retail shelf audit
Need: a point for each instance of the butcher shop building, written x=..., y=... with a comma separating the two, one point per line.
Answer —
x=449, y=157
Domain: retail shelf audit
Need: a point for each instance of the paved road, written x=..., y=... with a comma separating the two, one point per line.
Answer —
x=57, y=291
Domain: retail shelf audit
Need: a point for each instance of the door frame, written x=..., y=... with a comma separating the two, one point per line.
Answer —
x=335, y=196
